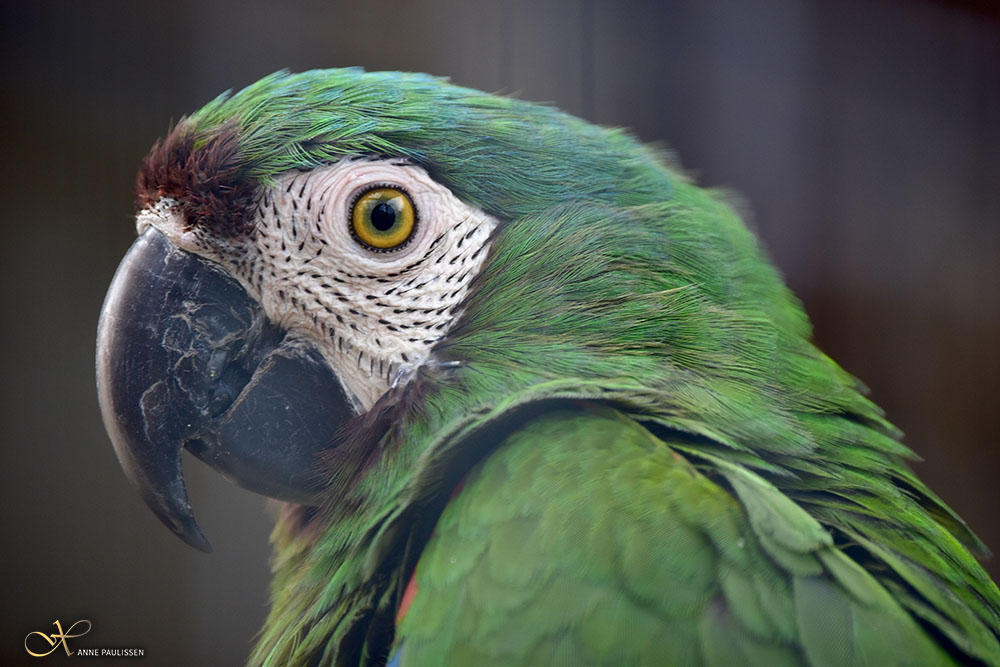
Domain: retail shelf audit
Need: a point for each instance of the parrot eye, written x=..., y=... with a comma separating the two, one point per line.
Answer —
x=383, y=218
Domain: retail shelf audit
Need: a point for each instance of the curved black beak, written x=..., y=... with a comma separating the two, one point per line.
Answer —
x=185, y=357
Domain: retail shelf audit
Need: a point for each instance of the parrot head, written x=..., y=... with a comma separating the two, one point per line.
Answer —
x=306, y=246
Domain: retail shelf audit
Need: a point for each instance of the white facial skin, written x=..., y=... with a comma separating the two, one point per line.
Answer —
x=374, y=315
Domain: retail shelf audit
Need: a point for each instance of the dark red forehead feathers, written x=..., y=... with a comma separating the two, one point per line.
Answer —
x=204, y=177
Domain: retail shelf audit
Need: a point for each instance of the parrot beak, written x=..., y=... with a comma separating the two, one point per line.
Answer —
x=186, y=358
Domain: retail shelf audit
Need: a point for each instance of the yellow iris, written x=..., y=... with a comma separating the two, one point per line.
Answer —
x=383, y=219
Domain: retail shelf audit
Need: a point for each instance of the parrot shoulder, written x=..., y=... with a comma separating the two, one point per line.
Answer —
x=586, y=539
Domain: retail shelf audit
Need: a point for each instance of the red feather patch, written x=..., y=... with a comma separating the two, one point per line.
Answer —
x=411, y=587
x=204, y=176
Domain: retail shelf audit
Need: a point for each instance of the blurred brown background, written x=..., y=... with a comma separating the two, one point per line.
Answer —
x=864, y=134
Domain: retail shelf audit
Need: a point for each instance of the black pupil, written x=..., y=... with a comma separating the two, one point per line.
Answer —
x=383, y=216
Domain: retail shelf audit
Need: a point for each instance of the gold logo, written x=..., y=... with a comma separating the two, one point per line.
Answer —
x=57, y=638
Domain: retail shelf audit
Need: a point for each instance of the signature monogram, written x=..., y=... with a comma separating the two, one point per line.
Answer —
x=57, y=638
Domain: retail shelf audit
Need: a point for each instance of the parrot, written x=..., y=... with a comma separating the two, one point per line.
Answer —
x=521, y=393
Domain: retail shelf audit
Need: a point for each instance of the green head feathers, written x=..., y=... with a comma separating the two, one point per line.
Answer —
x=509, y=157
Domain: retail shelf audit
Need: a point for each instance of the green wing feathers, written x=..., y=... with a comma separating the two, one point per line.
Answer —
x=585, y=539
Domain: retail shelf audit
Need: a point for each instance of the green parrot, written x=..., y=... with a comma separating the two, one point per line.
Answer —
x=525, y=393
